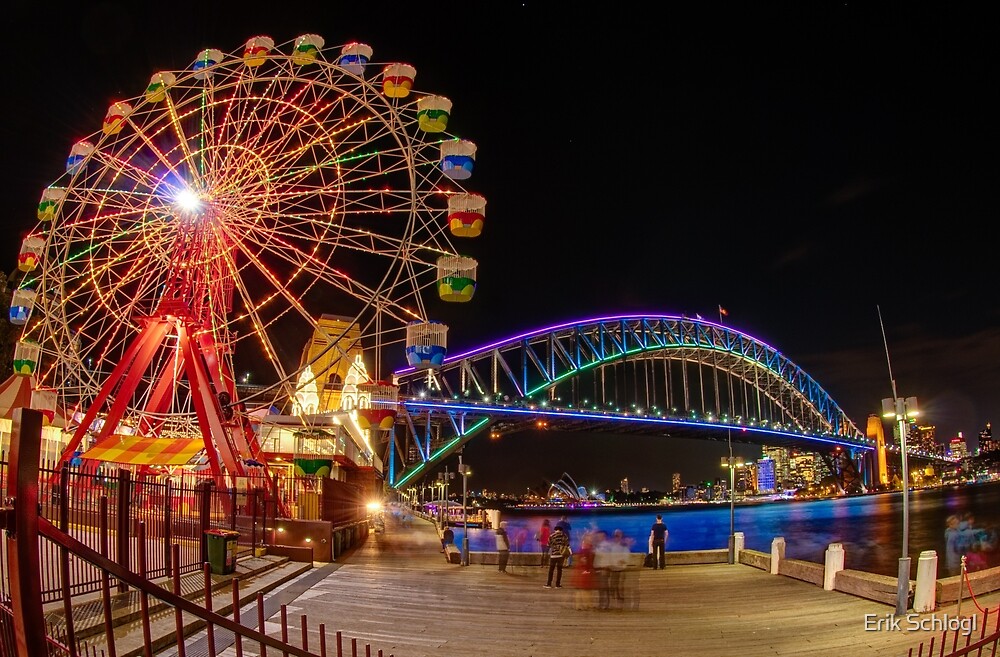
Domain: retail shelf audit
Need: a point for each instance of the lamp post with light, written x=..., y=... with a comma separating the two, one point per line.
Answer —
x=732, y=462
x=463, y=469
x=902, y=409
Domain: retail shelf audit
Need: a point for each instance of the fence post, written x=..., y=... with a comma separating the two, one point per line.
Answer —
x=234, y=504
x=739, y=544
x=168, y=522
x=23, y=564
x=274, y=510
x=253, y=500
x=777, y=553
x=925, y=595
x=205, y=512
x=834, y=564
x=123, y=523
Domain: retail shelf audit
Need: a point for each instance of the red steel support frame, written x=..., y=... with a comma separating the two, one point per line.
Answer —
x=23, y=567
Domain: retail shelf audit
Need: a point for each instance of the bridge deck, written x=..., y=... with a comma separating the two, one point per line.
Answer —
x=398, y=592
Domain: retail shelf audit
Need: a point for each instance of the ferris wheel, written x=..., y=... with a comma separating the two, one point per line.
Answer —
x=213, y=220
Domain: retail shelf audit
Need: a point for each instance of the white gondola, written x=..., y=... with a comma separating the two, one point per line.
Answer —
x=156, y=90
x=426, y=344
x=354, y=57
x=458, y=158
x=115, y=117
x=31, y=253
x=466, y=214
x=456, y=279
x=433, y=113
x=22, y=301
x=256, y=50
x=307, y=47
x=205, y=61
x=77, y=155
x=397, y=80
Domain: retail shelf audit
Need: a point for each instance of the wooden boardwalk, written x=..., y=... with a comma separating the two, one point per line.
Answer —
x=397, y=592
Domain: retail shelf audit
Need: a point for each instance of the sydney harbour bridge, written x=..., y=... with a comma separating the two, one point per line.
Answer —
x=661, y=375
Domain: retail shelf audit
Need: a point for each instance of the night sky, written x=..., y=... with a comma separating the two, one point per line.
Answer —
x=803, y=167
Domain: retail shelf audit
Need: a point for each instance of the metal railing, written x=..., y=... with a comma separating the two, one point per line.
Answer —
x=104, y=536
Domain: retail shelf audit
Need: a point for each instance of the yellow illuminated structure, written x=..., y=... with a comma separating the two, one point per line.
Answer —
x=332, y=350
x=874, y=432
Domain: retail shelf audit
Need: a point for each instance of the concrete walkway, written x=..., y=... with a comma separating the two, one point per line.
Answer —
x=398, y=593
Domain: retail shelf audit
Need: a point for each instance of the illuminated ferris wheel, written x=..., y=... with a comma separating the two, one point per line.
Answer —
x=218, y=215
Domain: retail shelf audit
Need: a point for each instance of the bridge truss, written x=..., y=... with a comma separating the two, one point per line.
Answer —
x=630, y=374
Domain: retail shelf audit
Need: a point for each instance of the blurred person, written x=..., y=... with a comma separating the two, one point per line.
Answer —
x=617, y=563
x=602, y=568
x=953, y=556
x=544, y=532
x=584, y=578
x=503, y=547
x=974, y=542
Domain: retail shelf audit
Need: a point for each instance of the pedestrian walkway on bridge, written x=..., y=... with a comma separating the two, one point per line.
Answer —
x=398, y=592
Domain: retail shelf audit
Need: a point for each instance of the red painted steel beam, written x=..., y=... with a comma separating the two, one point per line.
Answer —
x=23, y=567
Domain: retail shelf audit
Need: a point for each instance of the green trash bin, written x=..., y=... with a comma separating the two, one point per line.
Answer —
x=222, y=548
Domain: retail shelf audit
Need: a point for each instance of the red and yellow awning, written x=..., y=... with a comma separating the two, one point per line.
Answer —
x=140, y=450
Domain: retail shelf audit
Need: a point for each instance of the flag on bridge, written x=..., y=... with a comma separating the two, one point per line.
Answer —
x=723, y=312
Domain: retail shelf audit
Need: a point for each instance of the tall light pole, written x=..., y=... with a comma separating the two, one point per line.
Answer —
x=900, y=408
x=463, y=470
x=732, y=463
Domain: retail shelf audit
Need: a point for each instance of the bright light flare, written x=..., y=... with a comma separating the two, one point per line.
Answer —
x=188, y=201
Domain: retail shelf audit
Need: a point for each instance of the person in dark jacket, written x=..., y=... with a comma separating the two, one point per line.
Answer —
x=447, y=537
x=658, y=537
x=558, y=551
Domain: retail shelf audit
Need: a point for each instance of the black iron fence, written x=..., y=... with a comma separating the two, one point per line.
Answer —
x=78, y=530
x=176, y=513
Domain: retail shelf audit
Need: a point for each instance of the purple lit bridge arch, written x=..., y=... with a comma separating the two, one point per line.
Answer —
x=625, y=374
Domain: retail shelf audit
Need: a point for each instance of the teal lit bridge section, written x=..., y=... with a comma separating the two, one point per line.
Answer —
x=623, y=375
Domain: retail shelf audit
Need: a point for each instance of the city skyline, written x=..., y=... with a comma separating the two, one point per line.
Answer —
x=812, y=173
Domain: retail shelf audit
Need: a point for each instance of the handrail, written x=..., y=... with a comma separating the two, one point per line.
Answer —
x=50, y=531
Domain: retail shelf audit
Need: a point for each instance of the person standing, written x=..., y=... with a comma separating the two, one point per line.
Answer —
x=558, y=547
x=447, y=537
x=543, y=538
x=503, y=547
x=658, y=535
x=567, y=529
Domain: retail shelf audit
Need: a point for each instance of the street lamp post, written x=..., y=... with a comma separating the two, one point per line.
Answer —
x=901, y=409
x=463, y=470
x=732, y=463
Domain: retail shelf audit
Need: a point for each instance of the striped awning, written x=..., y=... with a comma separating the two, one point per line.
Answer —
x=140, y=450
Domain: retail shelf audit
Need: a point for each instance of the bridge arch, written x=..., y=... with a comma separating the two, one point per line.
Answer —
x=661, y=374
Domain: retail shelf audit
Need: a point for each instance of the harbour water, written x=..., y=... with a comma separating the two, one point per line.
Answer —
x=869, y=527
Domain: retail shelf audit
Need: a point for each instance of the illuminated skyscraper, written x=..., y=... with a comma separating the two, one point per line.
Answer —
x=986, y=442
x=676, y=483
x=781, y=466
x=765, y=475
x=957, y=447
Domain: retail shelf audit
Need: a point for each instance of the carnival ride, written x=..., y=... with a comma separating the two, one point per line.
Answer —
x=213, y=220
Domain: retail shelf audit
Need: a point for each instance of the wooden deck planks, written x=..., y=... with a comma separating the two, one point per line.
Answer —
x=398, y=593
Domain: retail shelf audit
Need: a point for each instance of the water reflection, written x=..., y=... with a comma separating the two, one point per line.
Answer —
x=869, y=527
